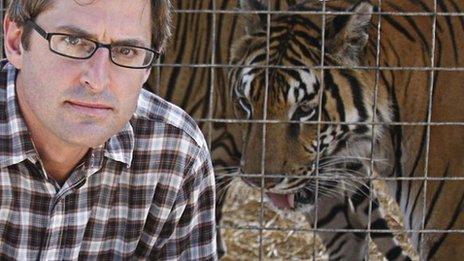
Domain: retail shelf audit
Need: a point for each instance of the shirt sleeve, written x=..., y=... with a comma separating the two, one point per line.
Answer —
x=192, y=224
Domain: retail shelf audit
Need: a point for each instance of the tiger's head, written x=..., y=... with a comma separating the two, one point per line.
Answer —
x=317, y=124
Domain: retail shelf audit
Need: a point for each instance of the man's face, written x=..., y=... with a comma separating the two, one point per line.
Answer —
x=83, y=102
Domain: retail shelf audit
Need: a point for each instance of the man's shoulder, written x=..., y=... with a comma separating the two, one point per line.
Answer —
x=152, y=110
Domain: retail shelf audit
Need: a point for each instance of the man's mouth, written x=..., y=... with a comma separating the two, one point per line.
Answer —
x=90, y=109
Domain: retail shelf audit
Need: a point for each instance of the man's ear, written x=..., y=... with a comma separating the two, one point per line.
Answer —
x=12, y=42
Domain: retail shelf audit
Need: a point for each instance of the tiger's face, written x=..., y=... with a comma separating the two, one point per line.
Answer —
x=305, y=130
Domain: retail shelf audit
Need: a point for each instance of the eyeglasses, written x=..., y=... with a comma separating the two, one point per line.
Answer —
x=72, y=46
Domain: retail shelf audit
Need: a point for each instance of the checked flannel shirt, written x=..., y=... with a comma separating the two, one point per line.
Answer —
x=146, y=194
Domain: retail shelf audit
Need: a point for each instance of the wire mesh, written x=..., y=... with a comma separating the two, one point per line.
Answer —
x=193, y=74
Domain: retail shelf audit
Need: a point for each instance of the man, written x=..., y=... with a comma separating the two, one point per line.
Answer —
x=91, y=165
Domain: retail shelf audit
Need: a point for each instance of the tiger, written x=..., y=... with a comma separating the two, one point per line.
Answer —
x=319, y=137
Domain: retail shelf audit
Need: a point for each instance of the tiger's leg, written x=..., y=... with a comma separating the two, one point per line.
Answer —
x=350, y=212
x=334, y=214
x=385, y=241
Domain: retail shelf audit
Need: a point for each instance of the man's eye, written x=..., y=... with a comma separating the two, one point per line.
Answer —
x=72, y=40
x=126, y=51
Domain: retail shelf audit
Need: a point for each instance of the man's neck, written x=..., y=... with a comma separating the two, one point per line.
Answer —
x=58, y=161
x=59, y=158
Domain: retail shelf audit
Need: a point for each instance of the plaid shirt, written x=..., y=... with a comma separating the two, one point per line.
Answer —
x=147, y=193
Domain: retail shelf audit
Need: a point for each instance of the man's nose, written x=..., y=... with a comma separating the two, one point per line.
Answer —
x=97, y=67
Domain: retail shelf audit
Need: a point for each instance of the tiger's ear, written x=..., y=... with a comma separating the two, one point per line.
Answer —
x=346, y=35
x=254, y=22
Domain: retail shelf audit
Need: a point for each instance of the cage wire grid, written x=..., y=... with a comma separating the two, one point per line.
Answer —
x=210, y=119
x=431, y=69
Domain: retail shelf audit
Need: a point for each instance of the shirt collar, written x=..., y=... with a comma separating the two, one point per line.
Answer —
x=120, y=147
x=15, y=142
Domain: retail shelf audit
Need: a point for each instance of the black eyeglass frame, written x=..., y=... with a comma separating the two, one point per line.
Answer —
x=47, y=36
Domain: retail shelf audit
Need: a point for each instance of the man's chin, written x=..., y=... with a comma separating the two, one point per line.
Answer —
x=87, y=137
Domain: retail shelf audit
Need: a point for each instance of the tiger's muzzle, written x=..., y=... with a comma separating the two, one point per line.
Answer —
x=284, y=191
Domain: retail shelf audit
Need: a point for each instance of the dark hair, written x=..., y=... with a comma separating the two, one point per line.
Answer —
x=20, y=11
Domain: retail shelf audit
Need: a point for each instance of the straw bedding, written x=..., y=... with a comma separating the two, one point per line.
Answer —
x=285, y=235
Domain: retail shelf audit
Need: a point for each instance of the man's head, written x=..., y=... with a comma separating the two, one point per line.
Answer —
x=80, y=102
x=21, y=10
